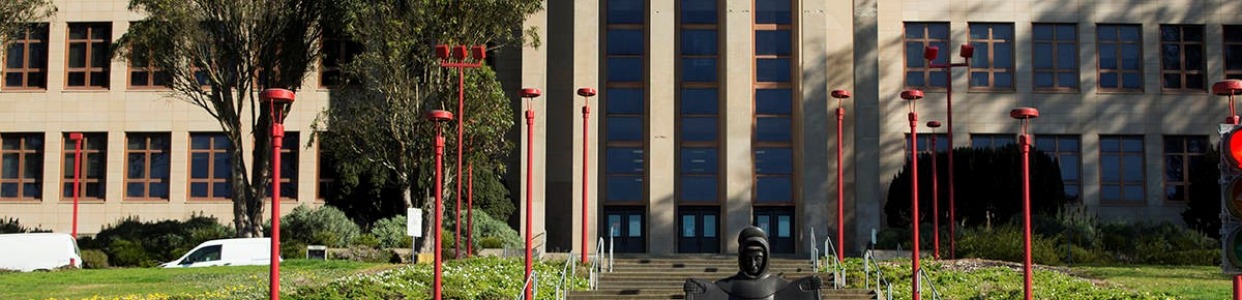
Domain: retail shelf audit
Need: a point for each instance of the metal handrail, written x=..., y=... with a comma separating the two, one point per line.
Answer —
x=868, y=260
x=923, y=276
x=838, y=278
x=596, y=264
x=533, y=282
x=612, y=235
x=561, y=290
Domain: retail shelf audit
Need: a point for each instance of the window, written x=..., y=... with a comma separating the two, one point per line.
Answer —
x=337, y=51
x=327, y=188
x=211, y=166
x=88, y=56
x=146, y=166
x=144, y=74
x=624, y=102
x=94, y=165
x=1121, y=169
x=1181, y=58
x=288, y=168
x=1066, y=151
x=1181, y=153
x=1120, y=57
x=21, y=170
x=924, y=142
x=774, y=102
x=992, y=66
x=992, y=141
x=1055, y=57
x=1233, y=51
x=918, y=73
x=698, y=102
x=25, y=59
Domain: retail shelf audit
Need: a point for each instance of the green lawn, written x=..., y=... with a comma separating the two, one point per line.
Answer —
x=1186, y=282
x=144, y=283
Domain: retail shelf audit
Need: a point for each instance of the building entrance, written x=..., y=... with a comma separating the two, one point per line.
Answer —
x=624, y=228
x=698, y=229
x=778, y=222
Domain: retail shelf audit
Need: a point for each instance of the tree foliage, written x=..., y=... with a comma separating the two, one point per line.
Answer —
x=217, y=55
x=15, y=14
x=1203, y=209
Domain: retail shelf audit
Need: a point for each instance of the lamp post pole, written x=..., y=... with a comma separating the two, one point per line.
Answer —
x=1231, y=88
x=77, y=177
x=478, y=53
x=470, y=210
x=935, y=190
x=279, y=101
x=930, y=53
x=841, y=95
x=529, y=94
x=586, y=94
x=1024, y=116
x=911, y=96
x=437, y=117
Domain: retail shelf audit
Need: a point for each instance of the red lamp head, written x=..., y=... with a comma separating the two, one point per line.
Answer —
x=930, y=52
x=459, y=52
x=841, y=94
x=1024, y=113
x=442, y=51
x=933, y=124
x=531, y=93
x=439, y=116
x=586, y=92
x=912, y=94
x=1230, y=87
x=75, y=136
x=478, y=52
x=280, y=99
x=967, y=51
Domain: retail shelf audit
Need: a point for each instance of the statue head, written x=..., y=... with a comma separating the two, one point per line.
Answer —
x=752, y=252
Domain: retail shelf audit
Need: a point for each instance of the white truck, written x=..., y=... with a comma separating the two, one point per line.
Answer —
x=38, y=251
x=226, y=252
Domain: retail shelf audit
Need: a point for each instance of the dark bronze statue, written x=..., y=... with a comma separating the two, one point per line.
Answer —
x=753, y=281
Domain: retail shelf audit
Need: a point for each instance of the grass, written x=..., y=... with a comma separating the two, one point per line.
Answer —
x=209, y=282
x=1185, y=282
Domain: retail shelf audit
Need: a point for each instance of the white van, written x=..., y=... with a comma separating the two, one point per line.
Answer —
x=38, y=251
x=226, y=252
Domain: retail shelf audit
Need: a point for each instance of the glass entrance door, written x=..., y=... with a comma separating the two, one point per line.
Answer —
x=624, y=228
x=778, y=222
x=698, y=230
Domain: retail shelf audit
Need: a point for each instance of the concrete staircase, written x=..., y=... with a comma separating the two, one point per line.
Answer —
x=662, y=278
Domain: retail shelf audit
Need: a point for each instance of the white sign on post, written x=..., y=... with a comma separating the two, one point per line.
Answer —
x=414, y=222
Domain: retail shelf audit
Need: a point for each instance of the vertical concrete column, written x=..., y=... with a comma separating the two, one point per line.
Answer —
x=868, y=192
x=534, y=75
x=816, y=206
x=738, y=90
x=839, y=63
x=661, y=127
x=586, y=62
x=563, y=121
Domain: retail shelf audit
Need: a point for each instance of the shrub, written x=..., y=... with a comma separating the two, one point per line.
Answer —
x=129, y=253
x=486, y=226
x=391, y=232
x=13, y=225
x=365, y=240
x=292, y=250
x=491, y=242
x=1005, y=243
x=323, y=226
x=94, y=259
x=131, y=242
x=367, y=254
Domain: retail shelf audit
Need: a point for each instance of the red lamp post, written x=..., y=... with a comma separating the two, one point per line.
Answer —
x=912, y=95
x=841, y=95
x=935, y=191
x=437, y=117
x=470, y=210
x=1230, y=87
x=586, y=94
x=530, y=94
x=76, y=137
x=278, y=101
x=930, y=53
x=459, y=54
x=1024, y=116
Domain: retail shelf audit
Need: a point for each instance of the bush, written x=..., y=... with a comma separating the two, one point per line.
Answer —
x=485, y=226
x=1005, y=243
x=13, y=225
x=491, y=242
x=367, y=254
x=365, y=240
x=131, y=242
x=391, y=232
x=292, y=250
x=129, y=253
x=323, y=226
x=94, y=259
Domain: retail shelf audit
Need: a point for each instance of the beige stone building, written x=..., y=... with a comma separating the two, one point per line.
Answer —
x=712, y=115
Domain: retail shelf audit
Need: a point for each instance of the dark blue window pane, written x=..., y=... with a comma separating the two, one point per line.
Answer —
x=699, y=160
x=937, y=79
x=698, y=69
x=625, y=69
x=222, y=166
x=198, y=165
x=159, y=165
x=698, y=11
x=198, y=189
x=200, y=142
x=624, y=129
x=773, y=129
x=1003, y=56
x=773, y=101
x=773, y=42
x=222, y=189
x=915, y=78
x=698, y=42
x=1069, y=167
x=1067, y=79
x=914, y=54
x=1108, y=80
x=1003, y=79
x=625, y=188
x=624, y=101
x=774, y=189
x=915, y=30
x=981, y=51
x=624, y=160
x=1067, y=56
x=1042, y=32
x=773, y=161
x=1043, y=79
x=1131, y=81
x=772, y=12
x=1042, y=56
x=1108, y=56
x=1128, y=33
x=938, y=31
x=772, y=70
x=1107, y=32
x=625, y=42
x=698, y=129
x=1130, y=59
x=1067, y=32
x=978, y=79
x=700, y=101
x=625, y=11
x=699, y=188
x=219, y=141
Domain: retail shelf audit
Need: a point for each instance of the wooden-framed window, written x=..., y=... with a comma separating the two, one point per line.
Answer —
x=1181, y=154
x=88, y=56
x=1120, y=57
x=21, y=169
x=992, y=66
x=1121, y=170
x=774, y=101
x=211, y=166
x=337, y=51
x=1055, y=56
x=1181, y=58
x=992, y=140
x=698, y=102
x=1067, y=151
x=1233, y=51
x=146, y=166
x=143, y=74
x=327, y=187
x=919, y=35
x=289, y=153
x=624, y=102
x=94, y=166
x=25, y=59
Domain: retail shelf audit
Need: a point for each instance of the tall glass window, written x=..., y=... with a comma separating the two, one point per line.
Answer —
x=1181, y=155
x=1055, y=56
x=698, y=102
x=21, y=177
x=1067, y=151
x=1233, y=51
x=624, y=102
x=211, y=166
x=774, y=102
x=918, y=36
x=88, y=55
x=992, y=66
x=93, y=166
x=146, y=166
x=1181, y=58
x=25, y=58
x=1120, y=57
x=1121, y=169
